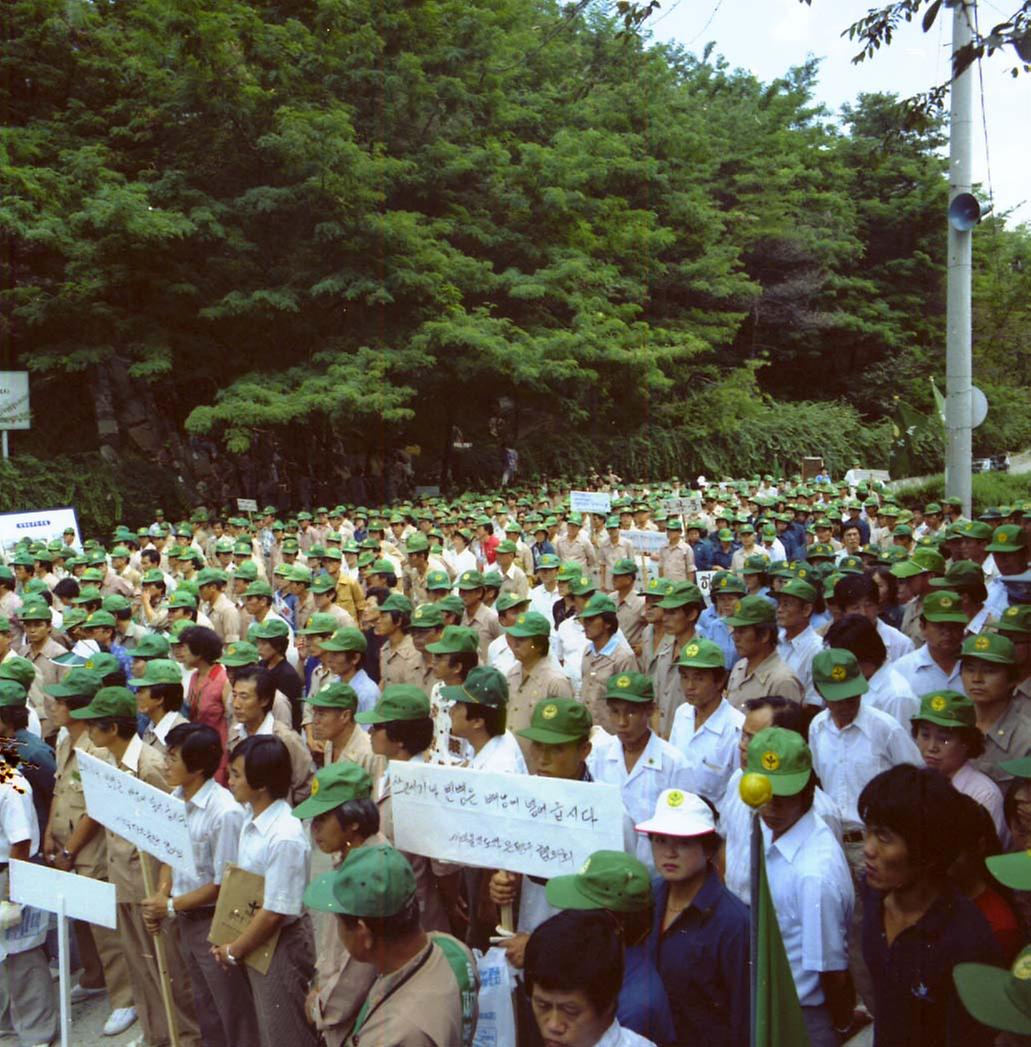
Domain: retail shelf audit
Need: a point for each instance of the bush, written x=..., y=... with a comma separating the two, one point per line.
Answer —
x=989, y=489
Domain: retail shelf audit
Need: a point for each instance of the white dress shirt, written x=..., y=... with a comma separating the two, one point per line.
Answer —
x=214, y=819
x=798, y=654
x=544, y=602
x=711, y=751
x=845, y=760
x=978, y=786
x=897, y=643
x=616, y=1036
x=890, y=692
x=924, y=674
x=501, y=755
x=811, y=888
x=499, y=654
x=18, y=819
x=275, y=845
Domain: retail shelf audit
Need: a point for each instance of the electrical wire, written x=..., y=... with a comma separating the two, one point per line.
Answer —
x=984, y=118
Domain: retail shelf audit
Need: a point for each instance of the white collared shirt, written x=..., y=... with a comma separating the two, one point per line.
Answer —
x=131, y=757
x=978, y=786
x=275, y=845
x=659, y=767
x=616, y=1036
x=811, y=888
x=499, y=654
x=238, y=732
x=18, y=819
x=544, y=602
x=797, y=653
x=711, y=751
x=924, y=674
x=846, y=760
x=897, y=643
x=890, y=692
x=501, y=755
x=214, y=819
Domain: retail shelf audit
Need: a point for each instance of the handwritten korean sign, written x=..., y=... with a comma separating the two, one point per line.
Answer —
x=590, y=502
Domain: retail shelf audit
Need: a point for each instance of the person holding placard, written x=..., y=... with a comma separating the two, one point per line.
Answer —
x=274, y=845
x=222, y=998
x=111, y=719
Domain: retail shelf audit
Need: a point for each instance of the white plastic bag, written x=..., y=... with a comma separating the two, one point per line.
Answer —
x=496, y=1026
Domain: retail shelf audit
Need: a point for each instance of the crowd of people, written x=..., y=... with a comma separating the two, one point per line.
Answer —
x=872, y=661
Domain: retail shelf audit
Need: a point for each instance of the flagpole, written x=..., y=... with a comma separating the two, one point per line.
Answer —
x=753, y=950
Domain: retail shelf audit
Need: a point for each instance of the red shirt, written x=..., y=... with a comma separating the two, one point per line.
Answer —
x=488, y=545
x=1003, y=922
x=205, y=704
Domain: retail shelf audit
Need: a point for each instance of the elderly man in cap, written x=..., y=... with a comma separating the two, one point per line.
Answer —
x=225, y=618
x=535, y=676
x=935, y=666
x=629, y=602
x=760, y=670
x=798, y=641
x=478, y=616
x=604, y=653
x=1008, y=549
x=613, y=550
x=333, y=711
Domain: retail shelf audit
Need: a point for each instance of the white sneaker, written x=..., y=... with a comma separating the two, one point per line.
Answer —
x=119, y=1020
x=80, y=993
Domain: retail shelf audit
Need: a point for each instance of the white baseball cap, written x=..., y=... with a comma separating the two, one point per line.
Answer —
x=679, y=813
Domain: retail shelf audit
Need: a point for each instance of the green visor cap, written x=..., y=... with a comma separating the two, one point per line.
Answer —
x=599, y=603
x=729, y=583
x=783, y=757
x=630, y=687
x=961, y=574
x=211, y=576
x=797, y=588
x=624, y=566
x=271, y=628
x=996, y=997
x=397, y=603
x=400, y=701
x=470, y=580
x=683, y=594
x=335, y=696
x=506, y=601
x=77, y=683
x=581, y=585
x=246, y=572
x=907, y=569
x=239, y=654
x=20, y=669
x=548, y=562
x=100, y=620
x=151, y=645
x=108, y=702
x=258, y=589
x=35, y=611
x=943, y=606
x=452, y=604
x=347, y=639
x=12, y=694
x=608, y=880
x=947, y=709
x=752, y=610
x=1007, y=539
x=701, y=654
x=319, y=624
x=1016, y=619
x=438, y=580
x=757, y=564
x=532, y=623
x=484, y=685
x=568, y=571
x=456, y=639
x=990, y=647
x=374, y=881
x=159, y=671
x=836, y=675
x=1011, y=870
x=427, y=616
x=339, y=783
x=558, y=721
x=115, y=604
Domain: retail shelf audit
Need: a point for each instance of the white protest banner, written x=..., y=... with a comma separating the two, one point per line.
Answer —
x=41, y=525
x=15, y=412
x=518, y=822
x=246, y=505
x=645, y=541
x=149, y=819
x=703, y=579
x=590, y=502
x=81, y=897
x=692, y=504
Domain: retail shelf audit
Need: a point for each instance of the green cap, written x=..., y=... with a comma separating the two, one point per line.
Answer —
x=990, y=647
x=727, y=582
x=319, y=624
x=506, y=601
x=180, y=598
x=470, y=580
x=456, y=639
x=335, y=696
x=961, y=574
x=752, y=610
x=158, y=671
x=756, y=564
x=77, y=683
x=270, y=628
x=247, y=572
x=240, y=653
x=20, y=669
x=799, y=589
x=947, y=709
x=836, y=674
x=151, y=645
x=438, y=580
x=1015, y=619
x=451, y=603
x=599, y=603
x=683, y=594
x=610, y=880
x=399, y=701
x=583, y=584
x=550, y=562
x=484, y=685
x=532, y=623
x=427, y=616
x=783, y=757
x=507, y=547
x=943, y=606
x=907, y=569
x=100, y=619
x=35, y=611
x=624, y=566
x=996, y=997
x=12, y=694
x=108, y=702
x=630, y=687
x=115, y=603
x=347, y=639
x=374, y=881
x=211, y=576
x=258, y=588
x=334, y=785
x=701, y=654
x=558, y=721
x=568, y=571
x=1012, y=870
x=1007, y=539
x=397, y=603
x=929, y=559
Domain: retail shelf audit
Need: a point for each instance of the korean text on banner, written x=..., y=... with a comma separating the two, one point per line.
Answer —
x=149, y=819
x=42, y=525
x=84, y=898
x=521, y=823
x=645, y=541
x=590, y=502
x=246, y=505
x=703, y=579
x=691, y=504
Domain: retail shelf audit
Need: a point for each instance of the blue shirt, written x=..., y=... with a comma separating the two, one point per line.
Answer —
x=722, y=558
x=366, y=689
x=702, y=555
x=643, y=1004
x=703, y=960
x=916, y=1002
x=712, y=627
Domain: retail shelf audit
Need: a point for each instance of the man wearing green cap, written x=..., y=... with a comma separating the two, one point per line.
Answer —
x=809, y=882
x=399, y=661
x=427, y=984
x=225, y=618
x=798, y=641
x=478, y=709
x=760, y=670
x=343, y=654
x=935, y=666
x=40, y=649
x=611, y=551
x=1008, y=548
x=1015, y=625
x=513, y=577
x=159, y=697
x=605, y=652
x=536, y=675
x=575, y=547
x=477, y=614
x=675, y=559
x=545, y=594
x=629, y=603
x=333, y=711
x=998, y=998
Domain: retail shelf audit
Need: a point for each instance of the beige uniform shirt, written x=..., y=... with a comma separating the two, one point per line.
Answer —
x=771, y=677
x=630, y=613
x=487, y=626
x=69, y=805
x=515, y=582
x=305, y=611
x=225, y=619
x=350, y=596
x=666, y=683
x=357, y=749
x=576, y=550
x=597, y=668
x=415, y=585
x=400, y=664
x=47, y=673
x=910, y=625
x=525, y=690
x=676, y=562
x=608, y=553
x=115, y=585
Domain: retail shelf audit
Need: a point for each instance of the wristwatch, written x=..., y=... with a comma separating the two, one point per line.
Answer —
x=67, y=855
x=230, y=957
x=170, y=907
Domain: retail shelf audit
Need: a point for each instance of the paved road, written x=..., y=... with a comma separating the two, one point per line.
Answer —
x=88, y=1022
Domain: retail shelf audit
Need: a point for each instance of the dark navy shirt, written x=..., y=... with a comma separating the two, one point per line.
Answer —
x=915, y=999
x=38, y=767
x=703, y=960
x=702, y=555
x=722, y=558
x=643, y=1004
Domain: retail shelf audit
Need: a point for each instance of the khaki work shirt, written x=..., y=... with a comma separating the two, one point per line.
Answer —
x=487, y=626
x=357, y=749
x=769, y=677
x=676, y=561
x=630, y=613
x=400, y=664
x=598, y=666
x=225, y=619
x=525, y=690
x=69, y=806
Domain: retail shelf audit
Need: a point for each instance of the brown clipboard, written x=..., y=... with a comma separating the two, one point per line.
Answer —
x=241, y=895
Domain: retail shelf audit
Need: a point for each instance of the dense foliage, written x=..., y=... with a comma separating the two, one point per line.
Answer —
x=287, y=229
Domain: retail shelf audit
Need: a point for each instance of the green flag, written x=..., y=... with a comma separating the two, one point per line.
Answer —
x=907, y=425
x=776, y=1013
x=939, y=401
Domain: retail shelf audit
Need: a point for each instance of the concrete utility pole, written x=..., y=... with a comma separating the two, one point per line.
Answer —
x=958, y=366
